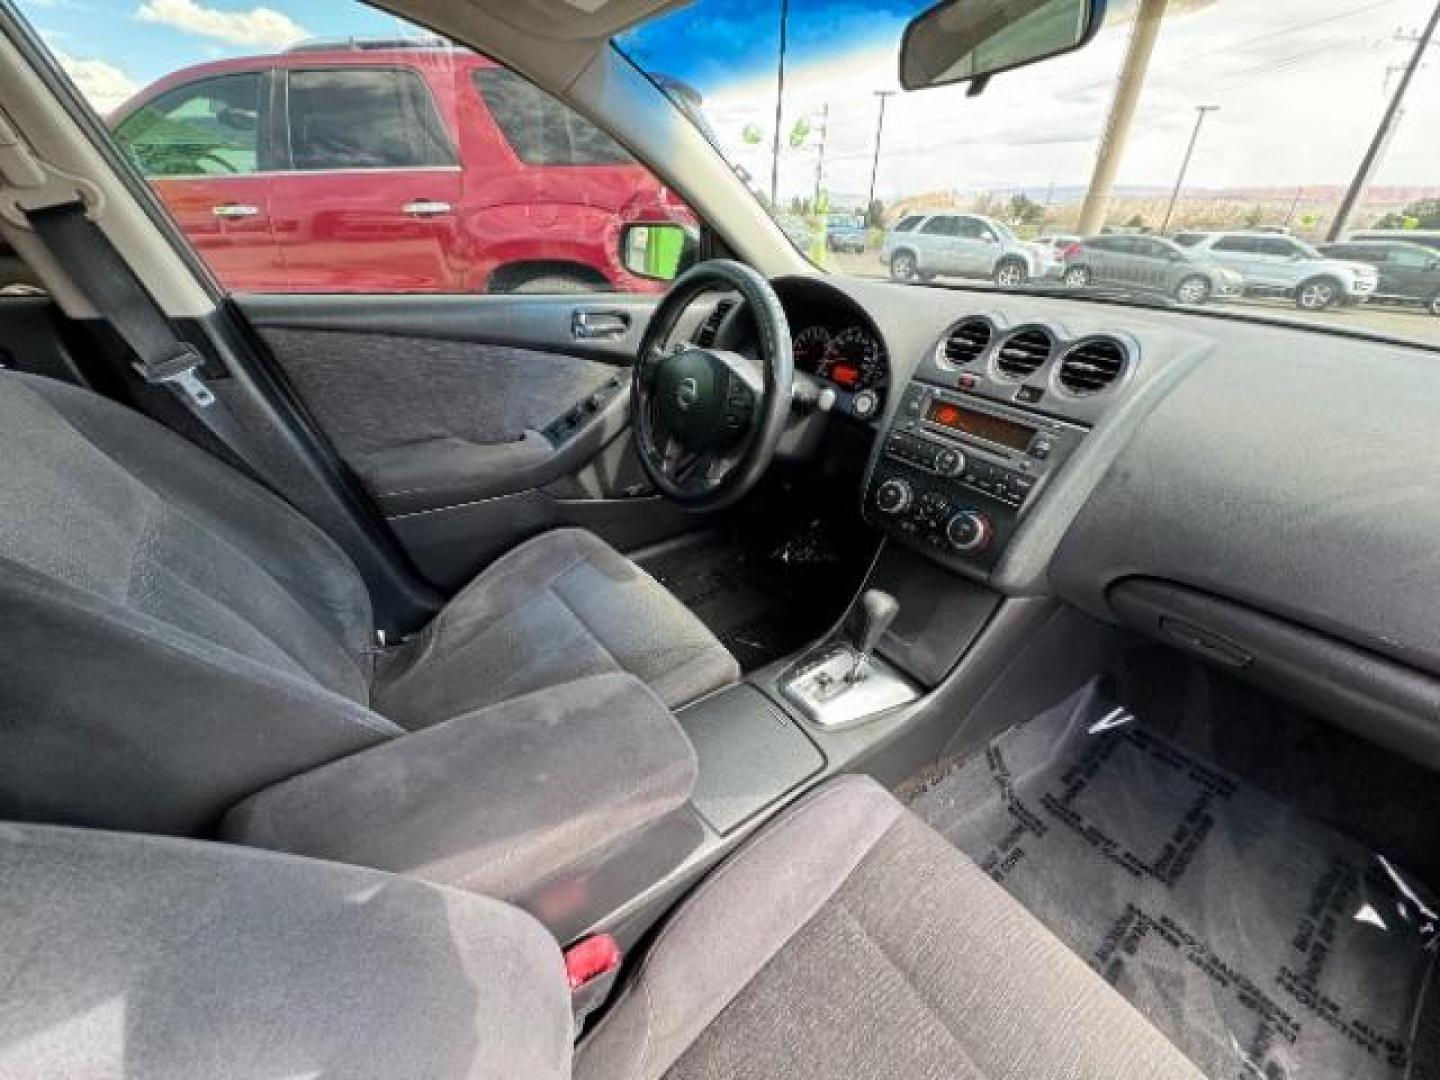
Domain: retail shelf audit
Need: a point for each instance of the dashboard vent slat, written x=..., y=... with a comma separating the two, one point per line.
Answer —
x=966, y=343
x=1024, y=353
x=705, y=336
x=1092, y=366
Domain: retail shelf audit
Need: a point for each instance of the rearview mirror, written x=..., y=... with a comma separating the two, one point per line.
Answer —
x=660, y=251
x=971, y=40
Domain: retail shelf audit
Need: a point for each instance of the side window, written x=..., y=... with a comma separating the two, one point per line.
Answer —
x=208, y=128
x=967, y=228
x=541, y=130
x=1283, y=248
x=939, y=226
x=361, y=118
x=1238, y=244
x=1410, y=260
x=908, y=224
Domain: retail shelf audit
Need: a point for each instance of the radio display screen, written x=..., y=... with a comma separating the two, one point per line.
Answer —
x=992, y=429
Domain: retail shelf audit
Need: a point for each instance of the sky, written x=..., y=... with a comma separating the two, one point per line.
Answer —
x=1301, y=85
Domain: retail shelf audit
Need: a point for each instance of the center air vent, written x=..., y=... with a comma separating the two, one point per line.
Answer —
x=1092, y=366
x=1024, y=353
x=705, y=336
x=966, y=343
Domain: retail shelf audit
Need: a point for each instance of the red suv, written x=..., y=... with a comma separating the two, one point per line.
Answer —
x=389, y=167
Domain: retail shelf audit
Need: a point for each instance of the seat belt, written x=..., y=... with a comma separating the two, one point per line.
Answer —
x=162, y=359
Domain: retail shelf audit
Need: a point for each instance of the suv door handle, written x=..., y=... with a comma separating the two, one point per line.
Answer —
x=593, y=325
x=425, y=208
x=234, y=210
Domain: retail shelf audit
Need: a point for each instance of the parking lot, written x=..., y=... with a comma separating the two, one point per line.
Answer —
x=1401, y=322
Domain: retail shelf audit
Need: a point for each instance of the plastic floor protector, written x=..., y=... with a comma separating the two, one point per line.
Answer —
x=1262, y=944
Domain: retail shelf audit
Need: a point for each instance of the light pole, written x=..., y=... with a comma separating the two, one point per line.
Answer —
x=879, y=133
x=1200, y=113
x=1371, y=161
x=779, y=103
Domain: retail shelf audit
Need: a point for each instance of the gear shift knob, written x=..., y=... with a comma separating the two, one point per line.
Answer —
x=877, y=611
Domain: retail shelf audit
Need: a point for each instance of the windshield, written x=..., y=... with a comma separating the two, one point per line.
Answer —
x=1250, y=124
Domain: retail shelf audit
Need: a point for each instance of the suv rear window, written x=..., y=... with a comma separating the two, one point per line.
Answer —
x=540, y=129
x=364, y=118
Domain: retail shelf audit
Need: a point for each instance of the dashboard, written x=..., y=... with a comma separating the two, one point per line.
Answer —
x=1258, y=493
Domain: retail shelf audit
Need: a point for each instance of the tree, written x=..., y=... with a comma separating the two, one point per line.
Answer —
x=1253, y=217
x=1421, y=214
x=1426, y=212
x=1135, y=222
x=875, y=214
x=1025, y=211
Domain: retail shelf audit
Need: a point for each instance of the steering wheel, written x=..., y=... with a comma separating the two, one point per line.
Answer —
x=707, y=421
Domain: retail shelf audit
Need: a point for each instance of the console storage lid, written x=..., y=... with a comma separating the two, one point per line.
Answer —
x=494, y=801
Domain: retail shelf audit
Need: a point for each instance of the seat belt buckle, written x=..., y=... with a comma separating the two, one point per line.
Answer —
x=591, y=967
x=591, y=959
x=180, y=373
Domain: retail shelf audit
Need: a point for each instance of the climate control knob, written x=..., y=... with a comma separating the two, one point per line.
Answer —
x=893, y=496
x=969, y=531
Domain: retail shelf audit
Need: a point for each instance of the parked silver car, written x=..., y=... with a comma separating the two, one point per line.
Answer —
x=1152, y=264
x=921, y=246
x=1285, y=266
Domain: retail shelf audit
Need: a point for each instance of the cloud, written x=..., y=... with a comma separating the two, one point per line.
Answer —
x=260, y=27
x=103, y=85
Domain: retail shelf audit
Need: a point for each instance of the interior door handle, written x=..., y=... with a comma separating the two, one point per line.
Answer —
x=593, y=325
x=426, y=208
x=234, y=210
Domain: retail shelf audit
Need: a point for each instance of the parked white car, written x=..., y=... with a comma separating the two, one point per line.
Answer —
x=920, y=246
x=1272, y=264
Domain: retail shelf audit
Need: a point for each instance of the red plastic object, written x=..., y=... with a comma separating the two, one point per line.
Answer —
x=587, y=960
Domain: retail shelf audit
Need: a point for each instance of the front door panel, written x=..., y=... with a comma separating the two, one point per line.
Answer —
x=459, y=415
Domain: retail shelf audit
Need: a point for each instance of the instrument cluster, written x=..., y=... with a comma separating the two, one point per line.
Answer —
x=848, y=356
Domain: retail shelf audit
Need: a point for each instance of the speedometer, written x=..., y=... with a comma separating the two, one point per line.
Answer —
x=811, y=346
x=854, y=361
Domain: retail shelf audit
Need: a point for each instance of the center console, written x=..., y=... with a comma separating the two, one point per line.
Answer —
x=957, y=471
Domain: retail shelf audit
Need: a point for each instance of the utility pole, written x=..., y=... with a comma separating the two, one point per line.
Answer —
x=879, y=133
x=1122, y=113
x=1201, y=111
x=1371, y=161
x=779, y=103
x=820, y=161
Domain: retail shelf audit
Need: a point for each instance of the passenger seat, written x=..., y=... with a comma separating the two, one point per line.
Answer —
x=845, y=940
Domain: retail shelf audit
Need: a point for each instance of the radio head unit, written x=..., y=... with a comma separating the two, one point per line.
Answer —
x=956, y=472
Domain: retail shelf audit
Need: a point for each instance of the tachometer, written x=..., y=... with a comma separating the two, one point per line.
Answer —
x=811, y=346
x=854, y=361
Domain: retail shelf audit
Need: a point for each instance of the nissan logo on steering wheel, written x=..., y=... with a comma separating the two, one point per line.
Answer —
x=687, y=394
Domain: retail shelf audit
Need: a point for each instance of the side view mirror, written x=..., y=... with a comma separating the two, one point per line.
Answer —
x=970, y=40
x=661, y=251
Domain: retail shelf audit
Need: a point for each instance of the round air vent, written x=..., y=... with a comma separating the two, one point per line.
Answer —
x=1024, y=353
x=966, y=342
x=1091, y=366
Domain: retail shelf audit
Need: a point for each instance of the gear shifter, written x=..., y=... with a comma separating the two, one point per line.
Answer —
x=877, y=611
x=842, y=682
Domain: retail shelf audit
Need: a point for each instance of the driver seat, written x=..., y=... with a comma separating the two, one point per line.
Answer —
x=177, y=638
